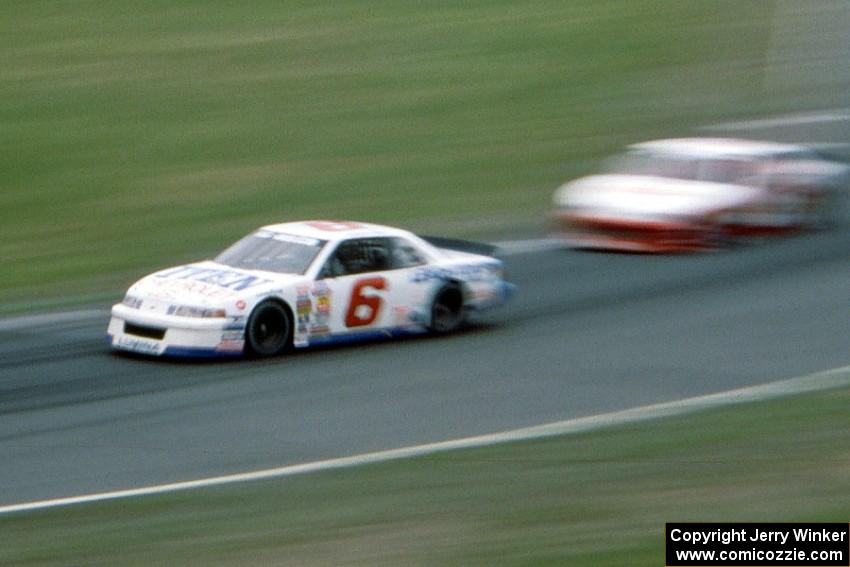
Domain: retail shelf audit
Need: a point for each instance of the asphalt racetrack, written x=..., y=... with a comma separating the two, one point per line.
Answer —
x=587, y=333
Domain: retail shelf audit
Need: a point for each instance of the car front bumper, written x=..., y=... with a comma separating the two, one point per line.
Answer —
x=156, y=334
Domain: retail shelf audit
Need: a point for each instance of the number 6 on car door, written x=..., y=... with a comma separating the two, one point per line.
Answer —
x=364, y=309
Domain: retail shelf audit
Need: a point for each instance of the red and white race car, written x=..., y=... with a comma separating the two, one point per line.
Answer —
x=305, y=283
x=696, y=193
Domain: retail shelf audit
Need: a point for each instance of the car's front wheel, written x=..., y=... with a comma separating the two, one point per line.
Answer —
x=269, y=330
x=447, y=309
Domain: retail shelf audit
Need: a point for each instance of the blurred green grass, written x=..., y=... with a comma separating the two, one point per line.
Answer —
x=597, y=499
x=142, y=134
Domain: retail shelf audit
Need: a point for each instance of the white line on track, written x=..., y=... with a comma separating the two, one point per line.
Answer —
x=835, y=378
x=47, y=319
x=833, y=115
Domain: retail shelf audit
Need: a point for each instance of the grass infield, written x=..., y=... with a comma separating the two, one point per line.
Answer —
x=595, y=499
x=138, y=135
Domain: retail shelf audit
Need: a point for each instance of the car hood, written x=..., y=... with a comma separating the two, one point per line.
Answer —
x=206, y=284
x=649, y=197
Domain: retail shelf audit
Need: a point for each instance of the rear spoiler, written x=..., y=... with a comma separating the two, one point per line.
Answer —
x=461, y=245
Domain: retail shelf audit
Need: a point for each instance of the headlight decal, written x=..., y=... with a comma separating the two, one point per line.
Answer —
x=189, y=311
x=132, y=301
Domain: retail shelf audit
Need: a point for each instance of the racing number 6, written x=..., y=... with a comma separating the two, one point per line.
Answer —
x=355, y=316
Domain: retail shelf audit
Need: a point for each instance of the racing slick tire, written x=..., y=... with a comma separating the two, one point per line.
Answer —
x=720, y=238
x=269, y=330
x=447, y=313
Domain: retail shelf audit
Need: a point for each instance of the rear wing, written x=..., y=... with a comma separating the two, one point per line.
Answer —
x=470, y=246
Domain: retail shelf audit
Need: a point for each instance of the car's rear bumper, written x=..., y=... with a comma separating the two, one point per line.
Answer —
x=156, y=334
x=632, y=236
x=490, y=296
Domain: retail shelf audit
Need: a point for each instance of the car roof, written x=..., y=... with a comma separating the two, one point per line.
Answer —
x=715, y=147
x=335, y=230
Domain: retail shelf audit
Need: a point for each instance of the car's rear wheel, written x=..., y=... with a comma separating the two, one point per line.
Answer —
x=447, y=309
x=719, y=237
x=269, y=329
x=826, y=210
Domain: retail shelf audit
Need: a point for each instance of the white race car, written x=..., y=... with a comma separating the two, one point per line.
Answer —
x=697, y=193
x=306, y=283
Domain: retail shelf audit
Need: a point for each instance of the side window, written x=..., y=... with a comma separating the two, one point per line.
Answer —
x=405, y=254
x=358, y=256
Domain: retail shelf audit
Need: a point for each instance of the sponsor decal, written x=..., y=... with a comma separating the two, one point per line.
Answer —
x=467, y=272
x=430, y=274
x=236, y=323
x=240, y=305
x=322, y=293
x=291, y=238
x=303, y=308
x=138, y=345
x=401, y=316
x=302, y=290
x=303, y=303
x=322, y=314
x=228, y=279
x=230, y=345
x=334, y=226
x=418, y=317
x=168, y=289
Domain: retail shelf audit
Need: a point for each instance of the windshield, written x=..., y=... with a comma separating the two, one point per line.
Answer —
x=642, y=163
x=272, y=252
x=711, y=169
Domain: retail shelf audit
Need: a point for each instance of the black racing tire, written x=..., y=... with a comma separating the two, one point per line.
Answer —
x=718, y=237
x=447, y=313
x=827, y=211
x=269, y=330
